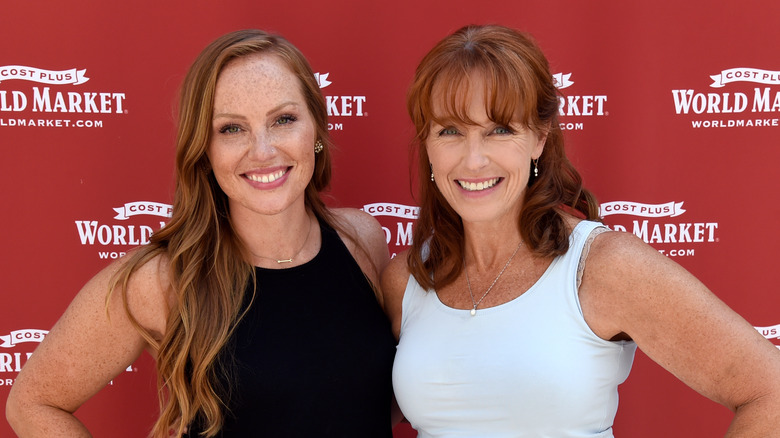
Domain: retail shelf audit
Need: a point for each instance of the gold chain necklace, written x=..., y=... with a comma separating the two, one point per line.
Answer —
x=289, y=260
x=468, y=282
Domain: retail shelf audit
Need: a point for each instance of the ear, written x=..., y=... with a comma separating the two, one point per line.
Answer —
x=539, y=148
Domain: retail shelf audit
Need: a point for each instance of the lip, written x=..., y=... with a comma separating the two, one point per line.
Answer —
x=268, y=178
x=477, y=186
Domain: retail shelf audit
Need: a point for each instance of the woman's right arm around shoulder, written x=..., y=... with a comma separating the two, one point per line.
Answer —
x=93, y=342
x=393, y=283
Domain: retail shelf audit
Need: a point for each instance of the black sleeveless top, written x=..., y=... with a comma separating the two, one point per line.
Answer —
x=313, y=356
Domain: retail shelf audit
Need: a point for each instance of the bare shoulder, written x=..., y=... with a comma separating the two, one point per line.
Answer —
x=146, y=290
x=150, y=295
x=630, y=289
x=620, y=256
x=363, y=224
x=622, y=274
x=107, y=299
x=366, y=230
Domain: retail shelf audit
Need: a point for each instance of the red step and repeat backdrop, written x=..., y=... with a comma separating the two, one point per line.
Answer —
x=671, y=113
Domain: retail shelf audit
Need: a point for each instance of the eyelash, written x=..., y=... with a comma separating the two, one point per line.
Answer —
x=444, y=132
x=289, y=117
x=286, y=118
x=226, y=128
x=508, y=130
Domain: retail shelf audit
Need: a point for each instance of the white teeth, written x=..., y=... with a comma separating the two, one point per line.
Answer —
x=266, y=178
x=473, y=187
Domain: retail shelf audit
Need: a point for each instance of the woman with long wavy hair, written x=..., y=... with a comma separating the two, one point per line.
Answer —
x=256, y=300
x=517, y=312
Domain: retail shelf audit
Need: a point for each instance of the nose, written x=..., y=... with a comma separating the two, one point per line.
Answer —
x=262, y=146
x=475, y=152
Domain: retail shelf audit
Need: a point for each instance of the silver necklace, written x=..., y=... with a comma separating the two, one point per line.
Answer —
x=289, y=260
x=468, y=282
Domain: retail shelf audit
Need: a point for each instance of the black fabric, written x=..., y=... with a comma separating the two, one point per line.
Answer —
x=313, y=356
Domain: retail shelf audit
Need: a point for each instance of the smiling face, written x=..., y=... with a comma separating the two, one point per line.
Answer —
x=481, y=167
x=263, y=135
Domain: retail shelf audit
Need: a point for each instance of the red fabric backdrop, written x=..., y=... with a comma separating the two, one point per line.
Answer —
x=671, y=115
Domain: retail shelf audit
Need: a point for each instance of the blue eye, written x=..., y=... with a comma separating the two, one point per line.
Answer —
x=448, y=131
x=503, y=130
x=229, y=129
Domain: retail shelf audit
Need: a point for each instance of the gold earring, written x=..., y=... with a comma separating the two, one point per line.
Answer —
x=536, y=167
x=318, y=147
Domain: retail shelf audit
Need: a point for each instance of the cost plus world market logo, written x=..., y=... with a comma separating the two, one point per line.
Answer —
x=744, y=105
x=658, y=226
x=115, y=239
x=396, y=221
x=41, y=105
x=340, y=105
x=574, y=108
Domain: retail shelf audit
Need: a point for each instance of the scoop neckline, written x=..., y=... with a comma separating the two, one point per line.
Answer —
x=502, y=306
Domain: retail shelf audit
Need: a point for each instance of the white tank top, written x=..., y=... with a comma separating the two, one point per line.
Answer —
x=528, y=368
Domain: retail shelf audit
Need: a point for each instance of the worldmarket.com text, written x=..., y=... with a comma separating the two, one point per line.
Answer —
x=51, y=123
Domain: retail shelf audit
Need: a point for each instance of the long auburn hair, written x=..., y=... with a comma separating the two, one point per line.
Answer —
x=207, y=261
x=518, y=81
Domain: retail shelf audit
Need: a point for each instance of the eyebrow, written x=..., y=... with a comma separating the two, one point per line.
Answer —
x=271, y=111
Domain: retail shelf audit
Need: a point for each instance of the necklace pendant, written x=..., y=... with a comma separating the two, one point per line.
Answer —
x=473, y=311
x=284, y=261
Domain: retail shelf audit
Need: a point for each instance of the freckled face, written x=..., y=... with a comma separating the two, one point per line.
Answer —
x=482, y=170
x=262, y=139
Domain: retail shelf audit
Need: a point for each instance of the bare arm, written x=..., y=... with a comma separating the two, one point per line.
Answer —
x=82, y=353
x=394, y=279
x=630, y=289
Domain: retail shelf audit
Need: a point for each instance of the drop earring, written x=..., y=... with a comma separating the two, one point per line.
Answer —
x=536, y=167
x=432, y=180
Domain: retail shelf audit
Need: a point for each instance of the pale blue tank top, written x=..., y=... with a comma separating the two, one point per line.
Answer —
x=528, y=368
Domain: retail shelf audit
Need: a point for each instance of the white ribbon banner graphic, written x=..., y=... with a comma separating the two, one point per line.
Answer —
x=390, y=209
x=670, y=209
x=20, y=336
x=53, y=77
x=142, y=207
x=745, y=74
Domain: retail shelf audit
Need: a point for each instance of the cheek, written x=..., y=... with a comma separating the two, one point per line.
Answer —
x=215, y=155
x=436, y=156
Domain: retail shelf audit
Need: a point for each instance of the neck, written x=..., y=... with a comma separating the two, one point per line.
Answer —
x=277, y=237
x=489, y=244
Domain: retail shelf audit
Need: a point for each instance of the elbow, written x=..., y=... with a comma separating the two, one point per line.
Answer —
x=19, y=411
x=13, y=410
